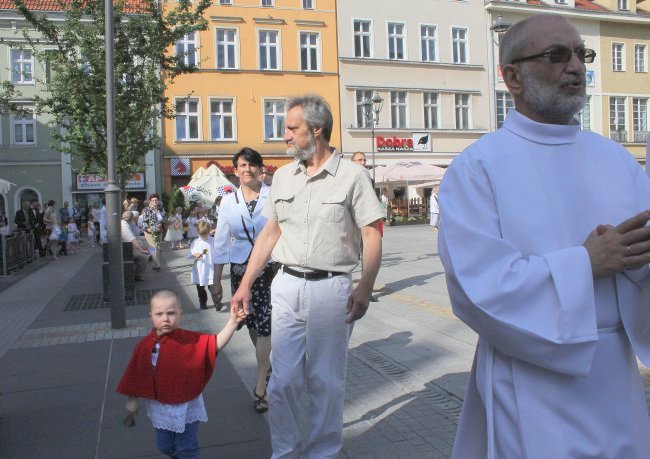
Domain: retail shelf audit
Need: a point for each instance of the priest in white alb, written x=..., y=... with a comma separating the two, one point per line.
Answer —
x=545, y=246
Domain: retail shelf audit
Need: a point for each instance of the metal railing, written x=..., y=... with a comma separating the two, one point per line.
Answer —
x=619, y=136
x=640, y=136
x=16, y=250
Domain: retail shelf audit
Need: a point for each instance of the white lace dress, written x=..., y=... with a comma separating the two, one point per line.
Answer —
x=174, y=417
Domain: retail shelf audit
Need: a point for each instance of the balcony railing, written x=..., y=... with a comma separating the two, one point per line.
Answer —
x=640, y=136
x=619, y=136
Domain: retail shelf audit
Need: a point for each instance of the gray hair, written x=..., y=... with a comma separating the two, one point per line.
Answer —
x=127, y=216
x=316, y=112
x=513, y=43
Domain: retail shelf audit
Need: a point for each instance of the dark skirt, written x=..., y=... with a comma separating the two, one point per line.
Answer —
x=259, y=318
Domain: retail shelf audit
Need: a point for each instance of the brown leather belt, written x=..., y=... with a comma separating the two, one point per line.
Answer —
x=311, y=275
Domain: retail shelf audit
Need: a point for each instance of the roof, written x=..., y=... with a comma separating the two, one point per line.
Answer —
x=131, y=6
x=589, y=5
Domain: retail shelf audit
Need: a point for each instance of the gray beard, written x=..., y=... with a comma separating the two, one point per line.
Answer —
x=549, y=101
x=303, y=155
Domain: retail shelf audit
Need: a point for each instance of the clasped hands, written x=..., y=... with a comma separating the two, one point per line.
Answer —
x=613, y=249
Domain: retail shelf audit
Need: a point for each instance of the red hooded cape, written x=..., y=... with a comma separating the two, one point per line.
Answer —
x=185, y=363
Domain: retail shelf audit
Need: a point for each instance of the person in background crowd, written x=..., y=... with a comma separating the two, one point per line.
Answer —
x=73, y=235
x=175, y=229
x=75, y=213
x=65, y=212
x=544, y=242
x=23, y=220
x=434, y=211
x=96, y=212
x=359, y=157
x=202, y=268
x=140, y=252
x=36, y=217
x=153, y=221
x=103, y=229
x=318, y=210
x=192, y=233
x=50, y=220
x=92, y=241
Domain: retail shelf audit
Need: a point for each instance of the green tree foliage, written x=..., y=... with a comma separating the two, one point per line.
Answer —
x=74, y=92
x=174, y=200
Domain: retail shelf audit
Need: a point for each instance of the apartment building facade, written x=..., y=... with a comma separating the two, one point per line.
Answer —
x=28, y=161
x=254, y=55
x=428, y=63
x=618, y=83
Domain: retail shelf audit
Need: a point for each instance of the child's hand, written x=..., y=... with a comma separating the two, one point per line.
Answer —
x=238, y=316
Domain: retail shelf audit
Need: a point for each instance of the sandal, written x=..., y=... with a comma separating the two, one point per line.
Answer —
x=261, y=405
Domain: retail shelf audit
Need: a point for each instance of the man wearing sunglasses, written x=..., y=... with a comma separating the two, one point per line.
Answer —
x=544, y=241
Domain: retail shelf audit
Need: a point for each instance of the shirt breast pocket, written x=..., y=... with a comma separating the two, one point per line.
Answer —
x=283, y=206
x=333, y=208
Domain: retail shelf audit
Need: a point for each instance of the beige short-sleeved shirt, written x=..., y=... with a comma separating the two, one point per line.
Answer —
x=320, y=216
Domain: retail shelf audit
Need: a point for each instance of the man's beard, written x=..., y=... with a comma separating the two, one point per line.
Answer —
x=303, y=154
x=549, y=101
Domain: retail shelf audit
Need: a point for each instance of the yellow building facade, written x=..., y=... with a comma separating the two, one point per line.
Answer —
x=253, y=57
x=625, y=73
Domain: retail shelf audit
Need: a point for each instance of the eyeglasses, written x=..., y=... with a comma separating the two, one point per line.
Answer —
x=562, y=55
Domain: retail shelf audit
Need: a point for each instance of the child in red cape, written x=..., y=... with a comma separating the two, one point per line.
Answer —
x=169, y=368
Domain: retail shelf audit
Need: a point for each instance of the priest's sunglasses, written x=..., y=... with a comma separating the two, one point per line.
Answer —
x=562, y=55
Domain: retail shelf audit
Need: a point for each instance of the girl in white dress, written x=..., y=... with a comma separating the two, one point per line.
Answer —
x=203, y=269
x=91, y=231
x=73, y=235
x=191, y=226
x=175, y=229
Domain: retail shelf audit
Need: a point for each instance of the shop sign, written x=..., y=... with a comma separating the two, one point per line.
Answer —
x=180, y=167
x=98, y=182
x=419, y=141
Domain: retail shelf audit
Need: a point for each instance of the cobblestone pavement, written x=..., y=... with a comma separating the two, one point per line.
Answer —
x=408, y=363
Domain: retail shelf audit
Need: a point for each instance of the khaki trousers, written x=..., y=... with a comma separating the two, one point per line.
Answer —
x=155, y=260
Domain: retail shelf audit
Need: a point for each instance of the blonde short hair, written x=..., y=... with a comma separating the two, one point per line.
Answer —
x=203, y=227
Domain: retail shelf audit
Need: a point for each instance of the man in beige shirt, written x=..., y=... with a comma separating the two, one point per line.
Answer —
x=319, y=209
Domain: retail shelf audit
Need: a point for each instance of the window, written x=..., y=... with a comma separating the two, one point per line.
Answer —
x=269, y=50
x=308, y=4
x=361, y=95
x=274, y=119
x=560, y=2
x=639, y=58
x=395, y=40
x=187, y=120
x=431, y=110
x=640, y=119
x=622, y=5
x=22, y=65
x=463, y=116
x=186, y=50
x=308, y=51
x=585, y=115
x=504, y=103
x=617, y=57
x=428, y=43
x=226, y=48
x=267, y=2
x=362, y=38
x=23, y=129
x=617, y=120
x=222, y=119
x=398, y=109
x=225, y=2
x=459, y=39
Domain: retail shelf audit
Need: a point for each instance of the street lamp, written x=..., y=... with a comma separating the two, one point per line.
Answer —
x=371, y=109
x=498, y=27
